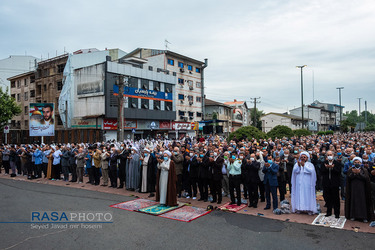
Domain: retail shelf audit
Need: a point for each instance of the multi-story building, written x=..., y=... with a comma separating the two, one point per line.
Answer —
x=223, y=115
x=241, y=114
x=321, y=119
x=189, y=74
x=271, y=120
x=335, y=111
x=22, y=89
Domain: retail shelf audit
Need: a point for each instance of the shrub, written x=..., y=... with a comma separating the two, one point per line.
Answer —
x=329, y=132
x=248, y=132
x=302, y=132
x=280, y=131
x=321, y=133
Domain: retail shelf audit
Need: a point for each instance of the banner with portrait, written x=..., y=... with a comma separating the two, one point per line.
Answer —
x=42, y=119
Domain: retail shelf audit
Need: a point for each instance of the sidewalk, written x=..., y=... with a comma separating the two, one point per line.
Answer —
x=298, y=218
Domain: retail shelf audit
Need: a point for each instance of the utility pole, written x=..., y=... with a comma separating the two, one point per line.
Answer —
x=301, y=67
x=340, y=88
x=255, y=110
x=120, y=120
x=365, y=112
x=359, y=112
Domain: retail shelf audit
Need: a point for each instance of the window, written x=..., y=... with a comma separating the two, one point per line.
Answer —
x=168, y=88
x=190, y=67
x=199, y=99
x=190, y=83
x=144, y=103
x=171, y=62
x=60, y=68
x=181, y=97
x=13, y=84
x=157, y=86
x=157, y=105
x=25, y=82
x=168, y=106
x=150, y=68
x=198, y=70
x=199, y=85
x=191, y=114
x=18, y=84
x=191, y=99
x=26, y=109
x=18, y=98
x=26, y=123
x=32, y=78
x=133, y=82
x=144, y=84
x=180, y=64
x=133, y=103
x=180, y=81
x=26, y=96
x=181, y=113
x=14, y=96
x=199, y=114
x=59, y=121
x=59, y=85
x=32, y=93
x=45, y=87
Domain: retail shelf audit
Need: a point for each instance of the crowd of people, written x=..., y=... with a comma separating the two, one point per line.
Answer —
x=208, y=169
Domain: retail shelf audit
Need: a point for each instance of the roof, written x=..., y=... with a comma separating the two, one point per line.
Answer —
x=167, y=52
x=234, y=102
x=208, y=102
x=294, y=117
x=20, y=75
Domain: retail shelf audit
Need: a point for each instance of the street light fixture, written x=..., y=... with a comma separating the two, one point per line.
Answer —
x=301, y=67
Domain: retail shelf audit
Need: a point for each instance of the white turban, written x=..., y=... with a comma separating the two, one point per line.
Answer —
x=357, y=158
x=168, y=153
x=147, y=150
x=305, y=153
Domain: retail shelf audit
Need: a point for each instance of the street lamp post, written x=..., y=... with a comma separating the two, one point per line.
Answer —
x=301, y=67
x=340, y=88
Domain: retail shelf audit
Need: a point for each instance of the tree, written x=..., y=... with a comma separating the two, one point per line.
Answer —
x=258, y=114
x=302, y=132
x=8, y=107
x=247, y=132
x=280, y=131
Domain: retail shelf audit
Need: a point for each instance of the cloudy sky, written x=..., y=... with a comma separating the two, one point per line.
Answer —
x=253, y=46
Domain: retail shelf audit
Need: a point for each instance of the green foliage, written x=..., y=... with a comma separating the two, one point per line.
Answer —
x=302, y=132
x=280, y=131
x=247, y=132
x=321, y=133
x=8, y=107
x=370, y=127
x=258, y=114
x=329, y=132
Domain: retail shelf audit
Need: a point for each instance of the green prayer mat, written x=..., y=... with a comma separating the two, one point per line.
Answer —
x=157, y=209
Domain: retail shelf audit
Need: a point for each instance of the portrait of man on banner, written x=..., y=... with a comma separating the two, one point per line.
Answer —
x=42, y=122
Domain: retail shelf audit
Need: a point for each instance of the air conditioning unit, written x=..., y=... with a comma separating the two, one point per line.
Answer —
x=181, y=101
x=191, y=117
x=181, y=86
x=190, y=103
x=182, y=70
x=182, y=117
x=185, y=119
x=190, y=72
x=191, y=87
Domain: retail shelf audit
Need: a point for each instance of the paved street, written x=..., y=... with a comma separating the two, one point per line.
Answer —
x=131, y=230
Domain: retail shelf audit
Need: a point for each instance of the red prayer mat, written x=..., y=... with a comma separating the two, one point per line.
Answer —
x=134, y=205
x=232, y=208
x=185, y=213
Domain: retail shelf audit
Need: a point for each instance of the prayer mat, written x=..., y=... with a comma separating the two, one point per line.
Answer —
x=330, y=221
x=232, y=208
x=185, y=213
x=157, y=209
x=134, y=205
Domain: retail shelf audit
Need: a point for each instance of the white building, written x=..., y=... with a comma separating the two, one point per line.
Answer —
x=189, y=73
x=271, y=120
x=241, y=114
x=15, y=65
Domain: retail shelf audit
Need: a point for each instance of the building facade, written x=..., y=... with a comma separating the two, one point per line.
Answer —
x=271, y=120
x=223, y=114
x=189, y=74
x=240, y=115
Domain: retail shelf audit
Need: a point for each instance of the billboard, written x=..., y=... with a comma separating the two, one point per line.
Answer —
x=111, y=124
x=41, y=119
x=144, y=94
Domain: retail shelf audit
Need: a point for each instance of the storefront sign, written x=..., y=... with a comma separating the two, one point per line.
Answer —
x=89, y=123
x=111, y=124
x=144, y=94
x=144, y=124
x=182, y=125
x=165, y=124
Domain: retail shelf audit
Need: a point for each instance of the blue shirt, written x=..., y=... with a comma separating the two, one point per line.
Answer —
x=38, y=156
x=88, y=161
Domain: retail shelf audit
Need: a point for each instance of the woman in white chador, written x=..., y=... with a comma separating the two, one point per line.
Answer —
x=303, y=185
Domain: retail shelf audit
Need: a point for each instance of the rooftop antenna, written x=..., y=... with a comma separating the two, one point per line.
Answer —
x=166, y=42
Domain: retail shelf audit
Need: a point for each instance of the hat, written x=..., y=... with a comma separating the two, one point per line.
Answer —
x=168, y=153
x=357, y=158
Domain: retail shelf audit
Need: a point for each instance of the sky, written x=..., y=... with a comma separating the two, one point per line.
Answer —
x=252, y=46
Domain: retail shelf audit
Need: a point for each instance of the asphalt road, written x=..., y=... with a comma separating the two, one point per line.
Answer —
x=131, y=230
